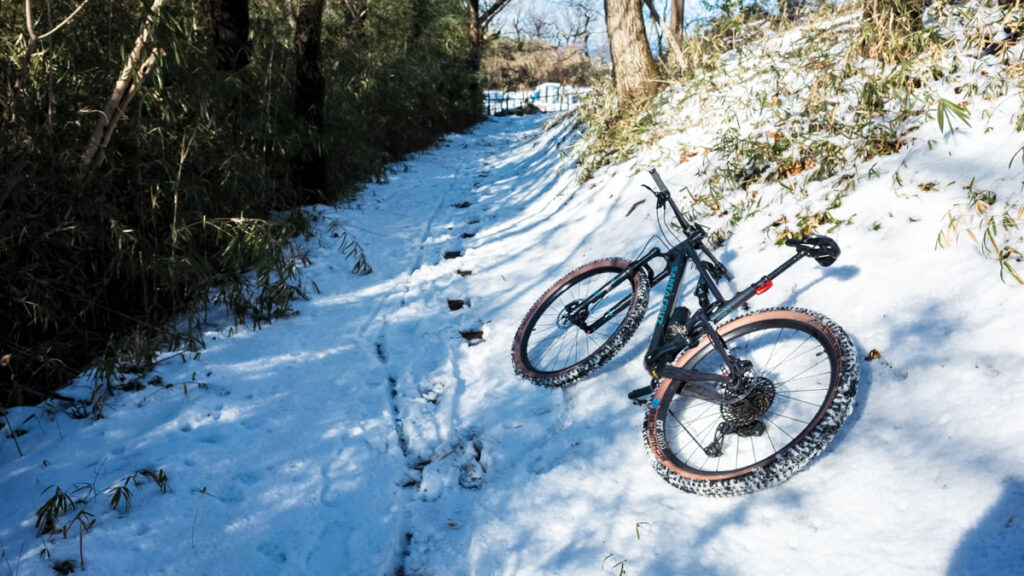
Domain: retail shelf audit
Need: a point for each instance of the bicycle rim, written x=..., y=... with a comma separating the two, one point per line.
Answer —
x=553, y=344
x=806, y=373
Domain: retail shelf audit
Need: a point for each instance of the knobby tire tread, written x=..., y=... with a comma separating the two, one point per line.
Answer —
x=641, y=284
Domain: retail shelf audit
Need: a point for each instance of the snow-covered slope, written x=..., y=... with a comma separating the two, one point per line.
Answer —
x=381, y=432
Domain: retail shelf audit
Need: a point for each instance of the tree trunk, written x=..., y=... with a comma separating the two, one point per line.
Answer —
x=677, y=52
x=476, y=40
x=632, y=63
x=230, y=33
x=676, y=19
x=478, y=22
x=310, y=166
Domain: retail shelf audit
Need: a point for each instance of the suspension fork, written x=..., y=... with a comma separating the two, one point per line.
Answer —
x=577, y=311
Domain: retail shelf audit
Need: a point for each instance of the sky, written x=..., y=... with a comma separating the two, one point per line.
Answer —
x=554, y=12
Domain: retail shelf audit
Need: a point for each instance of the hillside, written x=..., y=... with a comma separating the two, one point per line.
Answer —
x=382, y=429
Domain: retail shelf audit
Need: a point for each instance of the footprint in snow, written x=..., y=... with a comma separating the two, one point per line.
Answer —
x=473, y=336
x=458, y=303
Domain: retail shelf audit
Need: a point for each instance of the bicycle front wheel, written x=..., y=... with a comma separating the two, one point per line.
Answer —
x=806, y=374
x=551, y=350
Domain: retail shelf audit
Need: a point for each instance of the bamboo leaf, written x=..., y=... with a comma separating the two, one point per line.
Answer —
x=947, y=110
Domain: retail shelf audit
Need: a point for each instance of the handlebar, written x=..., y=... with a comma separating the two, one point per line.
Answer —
x=664, y=196
x=658, y=181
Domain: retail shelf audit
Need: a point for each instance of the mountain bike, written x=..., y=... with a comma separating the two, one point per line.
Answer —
x=732, y=407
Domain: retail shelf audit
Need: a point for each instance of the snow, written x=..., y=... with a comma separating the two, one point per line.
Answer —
x=366, y=435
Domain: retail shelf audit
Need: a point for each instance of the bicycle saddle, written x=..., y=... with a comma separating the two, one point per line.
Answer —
x=821, y=248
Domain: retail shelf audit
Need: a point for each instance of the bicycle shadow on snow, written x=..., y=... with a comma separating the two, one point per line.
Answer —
x=841, y=273
x=747, y=508
x=996, y=544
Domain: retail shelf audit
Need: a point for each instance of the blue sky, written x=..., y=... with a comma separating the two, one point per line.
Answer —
x=552, y=9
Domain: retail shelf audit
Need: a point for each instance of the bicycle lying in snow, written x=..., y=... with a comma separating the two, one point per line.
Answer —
x=733, y=408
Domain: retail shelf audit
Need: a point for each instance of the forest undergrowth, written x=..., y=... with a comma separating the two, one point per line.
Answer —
x=802, y=109
x=124, y=225
x=190, y=206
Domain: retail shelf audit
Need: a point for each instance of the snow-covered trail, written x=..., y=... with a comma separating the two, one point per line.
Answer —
x=337, y=441
x=380, y=431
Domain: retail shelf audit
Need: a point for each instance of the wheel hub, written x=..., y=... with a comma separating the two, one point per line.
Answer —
x=572, y=315
x=563, y=321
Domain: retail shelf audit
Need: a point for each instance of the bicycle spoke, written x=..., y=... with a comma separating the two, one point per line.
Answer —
x=772, y=351
x=798, y=375
x=815, y=404
x=802, y=390
x=788, y=417
x=807, y=338
x=556, y=342
x=683, y=427
x=793, y=362
x=781, y=429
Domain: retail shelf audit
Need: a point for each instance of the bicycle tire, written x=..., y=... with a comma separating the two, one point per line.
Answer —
x=677, y=451
x=597, y=348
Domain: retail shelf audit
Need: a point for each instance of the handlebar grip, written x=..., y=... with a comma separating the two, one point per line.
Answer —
x=657, y=180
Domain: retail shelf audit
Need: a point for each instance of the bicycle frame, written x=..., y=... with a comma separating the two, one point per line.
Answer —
x=714, y=307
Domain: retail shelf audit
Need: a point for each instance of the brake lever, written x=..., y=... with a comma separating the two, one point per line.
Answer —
x=660, y=197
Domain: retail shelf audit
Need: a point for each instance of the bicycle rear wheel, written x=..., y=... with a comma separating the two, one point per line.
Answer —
x=549, y=350
x=806, y=375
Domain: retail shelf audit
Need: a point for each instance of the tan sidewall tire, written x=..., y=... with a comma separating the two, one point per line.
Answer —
x=641, y=286
x=796, y=454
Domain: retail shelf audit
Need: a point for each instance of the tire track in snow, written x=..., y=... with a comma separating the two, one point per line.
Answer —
x=413, y=406
x=415, y=333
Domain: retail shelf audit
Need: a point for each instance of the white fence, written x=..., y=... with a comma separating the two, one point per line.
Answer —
x=546, y=98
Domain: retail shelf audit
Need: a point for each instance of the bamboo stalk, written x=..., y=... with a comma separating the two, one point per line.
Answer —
x=128, y=82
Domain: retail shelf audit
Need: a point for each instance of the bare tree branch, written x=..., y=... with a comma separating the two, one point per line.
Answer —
x=673, y=45
x=63, y=22
x=30, y=45
x=491, y=11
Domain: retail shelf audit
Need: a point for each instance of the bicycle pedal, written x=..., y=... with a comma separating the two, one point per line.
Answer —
x=639, y=396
